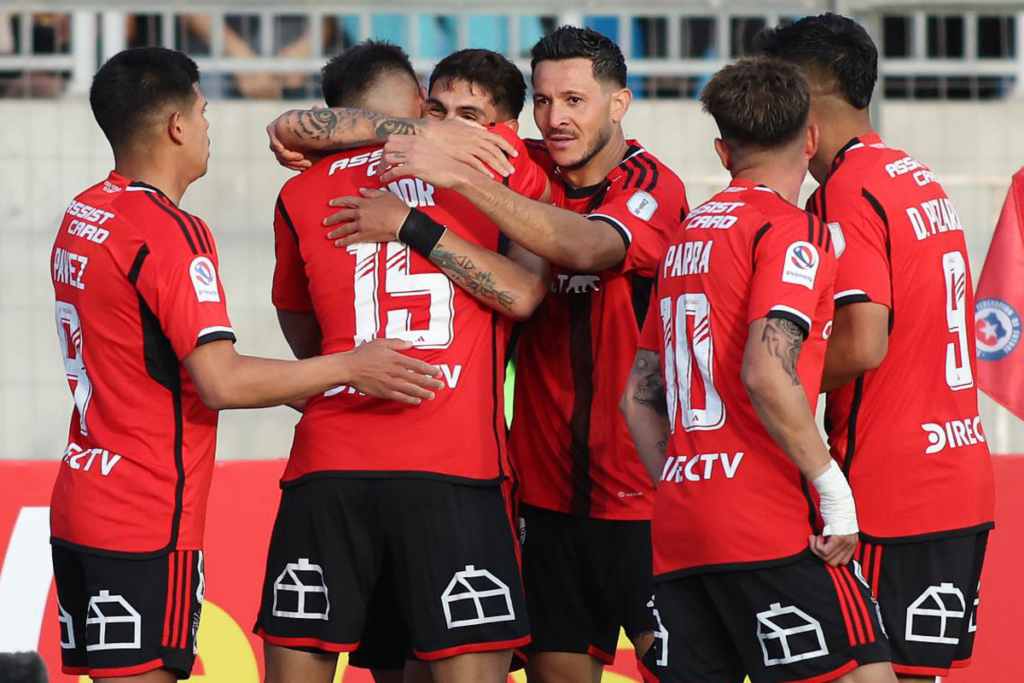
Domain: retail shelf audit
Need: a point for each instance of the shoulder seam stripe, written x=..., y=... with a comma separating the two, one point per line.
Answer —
x=629, y=173
x=197, y=231
x=287, y=219
x=757, y=239
x=177, y=219
x=646, y=158
x=140, y=258
x=810, y=228
x=643, y=172
x=206, y=232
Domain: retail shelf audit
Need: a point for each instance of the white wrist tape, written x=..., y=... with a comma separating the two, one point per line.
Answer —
x=838, y=509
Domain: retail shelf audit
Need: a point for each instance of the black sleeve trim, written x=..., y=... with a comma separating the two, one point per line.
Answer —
x=852, y=299
x=618, y=228
x=795, y=319
x=216, y=336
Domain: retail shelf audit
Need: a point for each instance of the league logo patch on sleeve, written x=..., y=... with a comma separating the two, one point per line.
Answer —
x=801, y=264
x=838, y=238
x=204, y=279
x=642, y=205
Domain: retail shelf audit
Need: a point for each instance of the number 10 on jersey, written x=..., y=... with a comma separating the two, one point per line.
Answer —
x=686, y=324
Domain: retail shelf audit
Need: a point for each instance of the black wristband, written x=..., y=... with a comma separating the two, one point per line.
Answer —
x=421, y=232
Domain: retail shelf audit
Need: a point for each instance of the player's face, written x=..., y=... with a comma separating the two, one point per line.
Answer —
x=572, y=110
x=197, y=132
x=463, y=100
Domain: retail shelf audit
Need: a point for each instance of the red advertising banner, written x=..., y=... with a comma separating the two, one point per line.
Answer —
x=243, y=502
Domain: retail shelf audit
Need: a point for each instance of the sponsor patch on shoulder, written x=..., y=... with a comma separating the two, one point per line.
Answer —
x=838, y=238
x=801, y=264
x=204, y=279
x=642, y=205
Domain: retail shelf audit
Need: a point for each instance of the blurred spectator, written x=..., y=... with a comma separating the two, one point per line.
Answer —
x=50, y=35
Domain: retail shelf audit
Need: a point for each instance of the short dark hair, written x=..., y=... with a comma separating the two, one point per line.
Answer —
x=834, y=50
x=135, y=84
x=350, y=75
x=502, y=79
x=761, y=102
x=571, y=42
x=22, y=667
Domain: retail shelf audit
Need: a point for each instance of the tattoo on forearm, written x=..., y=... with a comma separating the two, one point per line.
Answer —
x=346, y=127
x=389, y=127
x=465, y=273
x=662, y=448
x=784, y=340
x=650, y=389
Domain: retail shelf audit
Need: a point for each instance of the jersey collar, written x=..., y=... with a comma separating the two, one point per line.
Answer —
x=590, y=190
x=139, y=186
x=748, y=185
x=870, y=140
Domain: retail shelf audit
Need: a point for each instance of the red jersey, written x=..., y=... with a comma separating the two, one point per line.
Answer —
x=729, y=496
x=569, y=442
x=137, y=290
x=907, y=433
x=387, y=290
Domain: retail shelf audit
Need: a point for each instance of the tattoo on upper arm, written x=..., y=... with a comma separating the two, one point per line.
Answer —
x=389, y=127
x=784, y=339
x=467, y=275
x=650, y=385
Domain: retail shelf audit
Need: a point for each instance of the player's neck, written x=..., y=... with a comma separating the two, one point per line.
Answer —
x=782, y=176
x=600, y=165
x=836, y=134
x=148, y=169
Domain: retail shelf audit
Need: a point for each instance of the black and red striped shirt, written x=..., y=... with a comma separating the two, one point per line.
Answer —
x=569, y=442
x=136, y=286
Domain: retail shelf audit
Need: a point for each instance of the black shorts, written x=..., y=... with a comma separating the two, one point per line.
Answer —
x=585, y=579
x=443, y=552
x=803, y=621
x=928, y=592
x=124, y=617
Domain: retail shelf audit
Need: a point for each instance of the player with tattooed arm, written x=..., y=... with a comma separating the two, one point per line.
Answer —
x=902, y=407
x=407, y=500
x=751, y=574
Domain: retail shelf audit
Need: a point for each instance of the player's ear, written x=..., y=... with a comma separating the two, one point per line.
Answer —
x=513, y=124
x=723, y=152
x=813, y=137
x=176, y=128
x=621, y=99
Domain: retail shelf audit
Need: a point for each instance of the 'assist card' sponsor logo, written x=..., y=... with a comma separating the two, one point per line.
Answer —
x=997, y=329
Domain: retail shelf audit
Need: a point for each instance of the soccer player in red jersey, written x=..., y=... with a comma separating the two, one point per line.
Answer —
x=747, y=581
x=148, y=351
x=408, y=500
x=486, y=88
x=902, y=407
x=586, y=500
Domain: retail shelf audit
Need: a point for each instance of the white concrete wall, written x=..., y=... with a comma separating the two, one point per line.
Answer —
x=50, y=150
